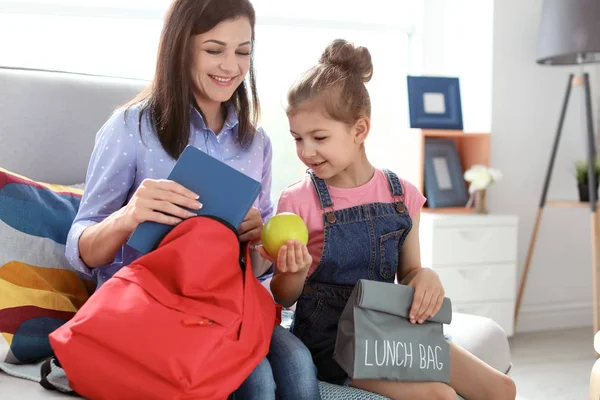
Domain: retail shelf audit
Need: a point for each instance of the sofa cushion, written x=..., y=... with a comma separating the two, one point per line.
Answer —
x=39, y=290
x=48, y=120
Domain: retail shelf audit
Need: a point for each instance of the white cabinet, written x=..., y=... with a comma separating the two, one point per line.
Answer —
x=476, y=259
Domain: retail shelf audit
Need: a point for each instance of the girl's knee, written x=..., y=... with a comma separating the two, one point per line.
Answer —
x=441, y=391
x=507, y=390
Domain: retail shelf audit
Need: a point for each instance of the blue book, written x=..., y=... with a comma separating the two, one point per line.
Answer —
x=224, y=193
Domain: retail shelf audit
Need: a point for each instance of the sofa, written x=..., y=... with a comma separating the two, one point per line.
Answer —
x=48, y=122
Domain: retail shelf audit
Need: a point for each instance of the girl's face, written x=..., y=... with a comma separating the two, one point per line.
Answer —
x=220, y=60
x=326, y=146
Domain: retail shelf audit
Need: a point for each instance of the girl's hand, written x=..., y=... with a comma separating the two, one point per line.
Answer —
x=251, y=227
x=162, y=201
x=293, y=257
x=428, y=297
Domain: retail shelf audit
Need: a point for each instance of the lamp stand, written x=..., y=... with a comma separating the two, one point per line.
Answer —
x=591, y=153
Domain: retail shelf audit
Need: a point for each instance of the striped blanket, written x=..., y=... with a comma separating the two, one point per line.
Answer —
x=38, y=289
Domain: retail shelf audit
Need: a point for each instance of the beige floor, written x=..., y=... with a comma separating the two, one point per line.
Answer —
x=553, y=365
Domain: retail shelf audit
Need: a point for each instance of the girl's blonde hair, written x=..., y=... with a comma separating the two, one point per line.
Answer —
x=336, y=85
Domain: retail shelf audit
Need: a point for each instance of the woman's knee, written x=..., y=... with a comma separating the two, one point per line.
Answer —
x=263, y=375
x=287, y=349
x=259, y=384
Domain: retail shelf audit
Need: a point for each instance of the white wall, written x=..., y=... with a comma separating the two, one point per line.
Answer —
x=491, y=46
x=456, y=38
x=526, y=104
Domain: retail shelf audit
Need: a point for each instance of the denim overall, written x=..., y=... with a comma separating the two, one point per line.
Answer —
x=361, y=242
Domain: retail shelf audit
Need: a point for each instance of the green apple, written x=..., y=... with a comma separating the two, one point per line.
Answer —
x=281, y=228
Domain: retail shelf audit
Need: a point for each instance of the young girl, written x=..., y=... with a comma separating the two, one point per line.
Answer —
x=199, y=97
x=363, y=224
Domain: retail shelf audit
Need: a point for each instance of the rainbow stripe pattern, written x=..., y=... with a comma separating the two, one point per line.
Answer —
x=39, y=291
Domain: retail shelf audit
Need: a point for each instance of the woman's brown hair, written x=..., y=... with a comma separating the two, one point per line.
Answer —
x=169, y=97
x=336, y=84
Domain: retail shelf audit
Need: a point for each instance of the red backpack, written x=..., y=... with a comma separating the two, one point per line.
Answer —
x=186, y=321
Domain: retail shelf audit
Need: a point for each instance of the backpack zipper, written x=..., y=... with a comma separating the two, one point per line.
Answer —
x=197, y=322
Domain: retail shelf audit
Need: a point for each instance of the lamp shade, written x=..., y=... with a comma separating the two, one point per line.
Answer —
x=569, y=32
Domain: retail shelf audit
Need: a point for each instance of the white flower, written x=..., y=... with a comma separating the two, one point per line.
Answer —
x=481, y=177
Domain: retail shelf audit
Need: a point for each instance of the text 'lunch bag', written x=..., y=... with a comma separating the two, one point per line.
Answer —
x=375, y=339
x=186, y=321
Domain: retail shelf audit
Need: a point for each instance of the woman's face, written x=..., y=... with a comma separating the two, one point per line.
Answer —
x=220, y=60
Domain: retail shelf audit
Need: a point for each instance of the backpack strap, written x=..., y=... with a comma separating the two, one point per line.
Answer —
x=53, y=377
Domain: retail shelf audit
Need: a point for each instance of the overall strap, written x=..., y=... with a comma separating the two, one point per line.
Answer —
x=322, y=191
x=394, y=181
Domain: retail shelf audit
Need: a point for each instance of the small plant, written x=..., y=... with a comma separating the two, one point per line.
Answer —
x=480, y=177
x=581, y=171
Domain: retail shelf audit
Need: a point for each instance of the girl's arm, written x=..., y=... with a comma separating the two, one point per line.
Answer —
x=291, y=268
x=293, y=260
x=409, y=263
x=287, y=289
x=429, y=293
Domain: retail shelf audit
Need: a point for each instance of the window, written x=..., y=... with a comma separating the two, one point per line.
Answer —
x=283, y=53
x=120, y=38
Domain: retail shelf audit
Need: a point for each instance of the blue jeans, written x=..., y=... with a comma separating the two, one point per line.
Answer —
x=288, y=372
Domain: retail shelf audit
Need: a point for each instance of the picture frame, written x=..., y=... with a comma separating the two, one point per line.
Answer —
x=434, y=102
x=444, y=182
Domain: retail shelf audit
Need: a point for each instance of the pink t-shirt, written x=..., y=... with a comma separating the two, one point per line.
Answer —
x=301, y=198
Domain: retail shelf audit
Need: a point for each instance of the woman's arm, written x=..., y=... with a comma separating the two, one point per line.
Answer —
x=99, y=243
x=154, y=200
x=251, y=227
x=265, y=200
x=251, y=231
x=103, y=224
x=110, y=176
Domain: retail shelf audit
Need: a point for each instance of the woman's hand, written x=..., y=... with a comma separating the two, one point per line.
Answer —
x=251, y=227
x=428, y=297
x=160, y=201
x=293, y=257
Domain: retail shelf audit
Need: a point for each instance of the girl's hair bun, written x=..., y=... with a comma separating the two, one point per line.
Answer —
x=355, y=60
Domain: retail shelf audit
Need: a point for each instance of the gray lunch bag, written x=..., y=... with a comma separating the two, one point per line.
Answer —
x=375, y=339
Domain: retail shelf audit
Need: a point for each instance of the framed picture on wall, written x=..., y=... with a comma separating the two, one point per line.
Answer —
x=444, y=182
x=434, y=102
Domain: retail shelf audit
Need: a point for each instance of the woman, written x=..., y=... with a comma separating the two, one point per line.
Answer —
x=198, y=97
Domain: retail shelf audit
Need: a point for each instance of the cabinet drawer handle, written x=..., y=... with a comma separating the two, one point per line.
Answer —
x=474, y=273
x=481, y=310
x=472, y=235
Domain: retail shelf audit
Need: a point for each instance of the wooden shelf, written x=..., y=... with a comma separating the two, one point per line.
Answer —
x=568, y=204
x=409, y=157
x=473, y=148
x=449, y=210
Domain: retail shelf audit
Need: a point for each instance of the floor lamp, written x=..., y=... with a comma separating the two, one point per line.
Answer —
x=569, y=34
